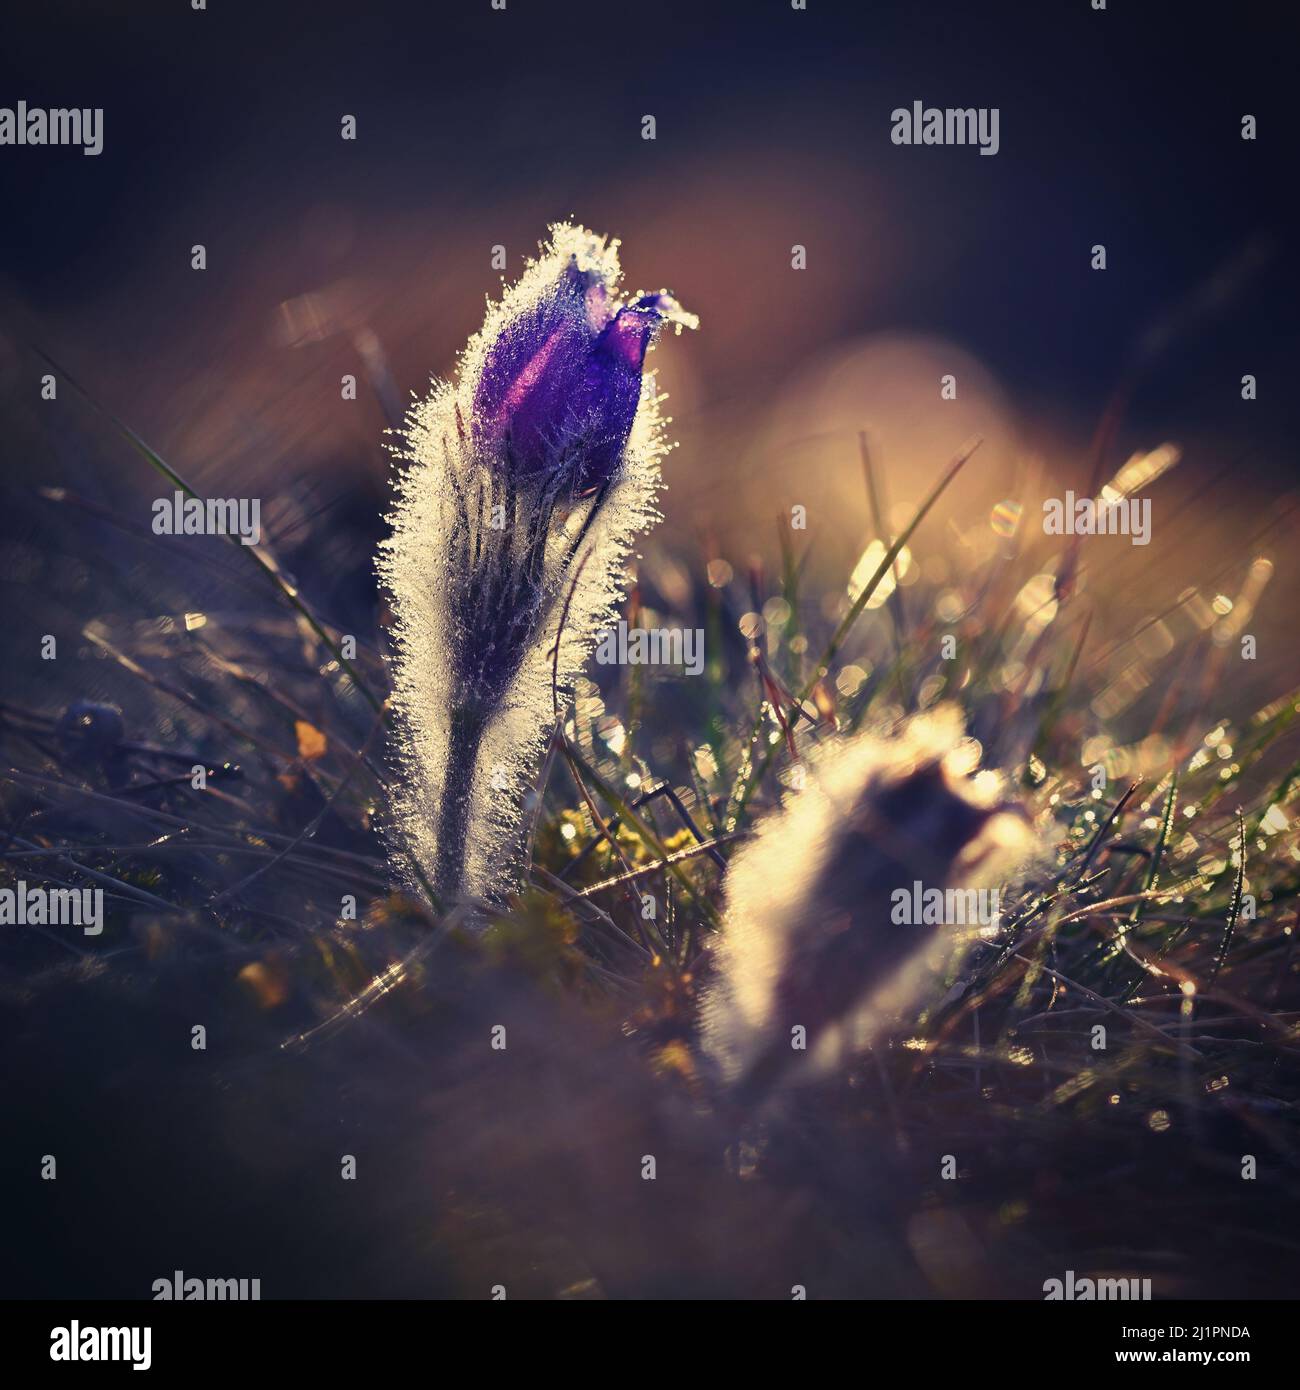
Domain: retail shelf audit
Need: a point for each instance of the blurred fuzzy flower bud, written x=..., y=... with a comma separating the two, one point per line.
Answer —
x=812, y=938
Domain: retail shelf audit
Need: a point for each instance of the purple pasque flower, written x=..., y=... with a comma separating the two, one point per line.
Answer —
x=560, y=386
x=525, y=485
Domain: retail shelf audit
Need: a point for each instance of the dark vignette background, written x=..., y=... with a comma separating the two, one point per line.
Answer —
x=478, y=127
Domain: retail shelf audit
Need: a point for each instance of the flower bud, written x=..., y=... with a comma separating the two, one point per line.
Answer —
x=560, y=385
x=813, y=947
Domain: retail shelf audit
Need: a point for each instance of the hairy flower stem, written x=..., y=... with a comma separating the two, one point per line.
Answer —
x=468, y=723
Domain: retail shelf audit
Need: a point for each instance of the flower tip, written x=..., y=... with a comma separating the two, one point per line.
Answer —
x=668, y=308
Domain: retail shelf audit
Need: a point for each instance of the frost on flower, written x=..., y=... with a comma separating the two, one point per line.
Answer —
x=810, y=938
x=526, y=481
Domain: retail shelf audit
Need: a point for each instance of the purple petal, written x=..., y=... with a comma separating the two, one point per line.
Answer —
x=561, y=385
